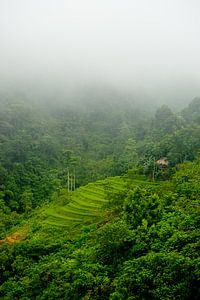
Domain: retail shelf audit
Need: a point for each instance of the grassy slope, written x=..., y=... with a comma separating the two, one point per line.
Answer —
x=85, y=205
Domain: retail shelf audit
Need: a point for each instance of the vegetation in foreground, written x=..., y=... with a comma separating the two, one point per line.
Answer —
x=134, y=236
x=146, y=245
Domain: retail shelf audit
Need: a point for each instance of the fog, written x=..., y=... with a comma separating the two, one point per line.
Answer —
x=149, y=49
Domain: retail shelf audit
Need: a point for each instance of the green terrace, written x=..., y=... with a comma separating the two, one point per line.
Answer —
x=86, y=204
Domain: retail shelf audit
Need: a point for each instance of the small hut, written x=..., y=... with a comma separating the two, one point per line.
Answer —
x=162, y=162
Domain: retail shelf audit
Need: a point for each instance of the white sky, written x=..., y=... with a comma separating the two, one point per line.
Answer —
x=151, y=46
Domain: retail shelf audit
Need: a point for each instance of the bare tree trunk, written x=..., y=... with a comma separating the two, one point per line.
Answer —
x=154, y=167
x=71, y=182
x=74, y=180
x=68, y=180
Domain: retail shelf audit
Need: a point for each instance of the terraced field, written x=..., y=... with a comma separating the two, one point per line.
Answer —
x=85, y=205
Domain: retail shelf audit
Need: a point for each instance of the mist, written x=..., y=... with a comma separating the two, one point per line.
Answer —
x=147, y=49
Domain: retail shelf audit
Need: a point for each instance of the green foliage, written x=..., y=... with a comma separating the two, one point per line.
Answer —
x=119, y=238
x=192, y=112
x=142, y=204
x=112, y=241
x=156, y=276
x=147, y=249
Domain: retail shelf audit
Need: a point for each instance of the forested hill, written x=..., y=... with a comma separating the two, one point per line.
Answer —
x=128, y=231
x=38, y=146
x=119, y=238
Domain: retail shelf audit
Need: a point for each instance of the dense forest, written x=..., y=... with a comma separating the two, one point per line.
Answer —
x=128, y=228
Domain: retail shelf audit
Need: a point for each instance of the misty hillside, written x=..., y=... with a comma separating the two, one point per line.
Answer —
x=95, y=203
x=39, y=146
x=99, y=150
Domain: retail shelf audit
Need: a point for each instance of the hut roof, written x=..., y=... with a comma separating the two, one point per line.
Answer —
x=162, y=161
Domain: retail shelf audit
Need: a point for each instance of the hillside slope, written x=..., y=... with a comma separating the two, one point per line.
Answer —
x=85, y=204
x=117, y=239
